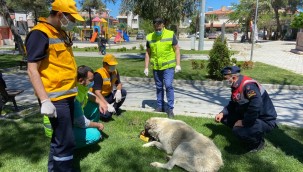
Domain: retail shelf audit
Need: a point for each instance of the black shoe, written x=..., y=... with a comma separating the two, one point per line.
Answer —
x=158, y=109
x=170, y=114
x=257, y=147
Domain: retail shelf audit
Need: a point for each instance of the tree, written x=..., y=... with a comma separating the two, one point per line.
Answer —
x=171, y=10
x=88, y=5
x=211, y=18
x=7, y=18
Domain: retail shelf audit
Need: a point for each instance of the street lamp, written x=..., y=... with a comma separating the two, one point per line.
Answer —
x=202, y=22
x=253, y=32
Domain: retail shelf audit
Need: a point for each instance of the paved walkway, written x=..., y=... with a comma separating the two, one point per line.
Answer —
x=201, y=99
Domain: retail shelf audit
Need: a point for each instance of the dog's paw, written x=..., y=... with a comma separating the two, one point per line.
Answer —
x=146, y=145
x=155, y=164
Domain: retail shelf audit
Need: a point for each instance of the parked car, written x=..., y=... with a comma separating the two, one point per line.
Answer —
x=140, y=36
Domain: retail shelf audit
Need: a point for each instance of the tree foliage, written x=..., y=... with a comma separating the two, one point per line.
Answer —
x=171, y=10
x=89, y=5
x=219, y=57
x=297, y=21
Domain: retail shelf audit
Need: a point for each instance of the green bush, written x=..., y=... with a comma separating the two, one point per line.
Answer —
x=134, y=48
x=219, y=57
x=141, y=47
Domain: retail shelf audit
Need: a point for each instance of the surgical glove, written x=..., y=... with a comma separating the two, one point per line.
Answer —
x=178, y=69
x=48, y=109
x=118, y=96
x=110, y=108
x=146, y=71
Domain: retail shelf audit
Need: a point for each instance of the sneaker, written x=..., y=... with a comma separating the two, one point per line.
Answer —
x=258, y=147
x=170, y=114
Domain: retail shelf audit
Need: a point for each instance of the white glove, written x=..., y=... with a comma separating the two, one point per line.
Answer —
x=110, y=108
x=146, y=71
x=178, y=69
x=48, y=109
x=118, y=96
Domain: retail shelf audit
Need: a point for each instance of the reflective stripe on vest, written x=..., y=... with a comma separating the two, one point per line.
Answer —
x=107, y=85
x=61, y=93
x=65, y=158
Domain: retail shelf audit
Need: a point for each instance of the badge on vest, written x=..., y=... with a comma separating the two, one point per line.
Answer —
x=251, y=93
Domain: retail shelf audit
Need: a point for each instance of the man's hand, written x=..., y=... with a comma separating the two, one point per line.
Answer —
x=238, y=124
x=48, y=109
x=118, y=96
x=110, y=108
x=146, y=71
x=219, y=117
x=102, y=107
x=178, y=69
x=100, y=126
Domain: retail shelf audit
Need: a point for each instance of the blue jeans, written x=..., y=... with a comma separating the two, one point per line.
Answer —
x=165, y=78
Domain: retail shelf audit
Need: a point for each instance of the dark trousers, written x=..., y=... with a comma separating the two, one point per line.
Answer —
x=110, y=99
x=62, y=142
x=252, y=135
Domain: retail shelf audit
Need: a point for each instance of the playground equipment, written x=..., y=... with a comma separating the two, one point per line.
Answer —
x=86, y=34
x=121, y=36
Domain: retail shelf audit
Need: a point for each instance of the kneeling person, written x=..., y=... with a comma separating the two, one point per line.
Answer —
x=105, y=79
x=86, y=126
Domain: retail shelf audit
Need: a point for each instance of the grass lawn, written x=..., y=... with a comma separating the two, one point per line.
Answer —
x=23, y=147
x=263, y=73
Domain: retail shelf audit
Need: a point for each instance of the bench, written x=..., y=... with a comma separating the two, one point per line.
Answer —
x=7, y=95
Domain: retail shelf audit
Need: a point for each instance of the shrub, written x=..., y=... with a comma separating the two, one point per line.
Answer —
x=134, y=48
x=219, y=57
x=141, y=47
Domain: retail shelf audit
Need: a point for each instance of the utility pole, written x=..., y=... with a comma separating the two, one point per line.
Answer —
x=202, y=21
x=253, y=32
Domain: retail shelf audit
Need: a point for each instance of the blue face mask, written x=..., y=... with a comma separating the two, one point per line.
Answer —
x=90, y=85
x=159, y=32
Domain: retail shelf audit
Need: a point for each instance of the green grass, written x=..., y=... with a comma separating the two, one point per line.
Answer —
x=263, y=73
x=8, y=60
x=23, y=147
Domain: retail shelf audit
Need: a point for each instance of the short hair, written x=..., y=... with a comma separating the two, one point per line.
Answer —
x=82, y=71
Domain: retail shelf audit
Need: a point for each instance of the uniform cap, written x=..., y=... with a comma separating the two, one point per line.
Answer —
x=67, y=6
x=230, y=70
x=158, y=21
x=110, y=59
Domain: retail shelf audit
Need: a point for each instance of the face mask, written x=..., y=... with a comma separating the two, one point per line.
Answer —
x=159, y=32
x=112, y=68
x=66, y=24
x=228, y=82
x=90, y=85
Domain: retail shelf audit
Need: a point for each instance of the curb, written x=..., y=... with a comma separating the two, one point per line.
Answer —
x=207, y=83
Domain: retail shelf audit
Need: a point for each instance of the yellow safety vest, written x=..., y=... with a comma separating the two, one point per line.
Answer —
x=108, y=82
x=59, y=70
x=162, y=53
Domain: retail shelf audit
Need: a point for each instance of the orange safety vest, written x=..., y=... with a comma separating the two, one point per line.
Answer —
x=108, y=82
x=58, y=71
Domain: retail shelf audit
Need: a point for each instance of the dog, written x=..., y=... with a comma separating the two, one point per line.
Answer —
x=189, y=149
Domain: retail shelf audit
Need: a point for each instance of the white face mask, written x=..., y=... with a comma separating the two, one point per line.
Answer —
x=112, y=68
x=228, y=82
x=66, y=24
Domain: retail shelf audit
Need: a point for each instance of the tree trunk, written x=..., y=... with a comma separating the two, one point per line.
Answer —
x=17, y=37
x=279, y=27
x=90, y=17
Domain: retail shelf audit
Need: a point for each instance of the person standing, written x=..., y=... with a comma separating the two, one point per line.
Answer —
x=105, y=79
x=53, y=73
x=250, y=112
x=163, y=52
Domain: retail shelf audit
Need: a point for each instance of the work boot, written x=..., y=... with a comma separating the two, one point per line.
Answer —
x=159, y=109
x=257, y=147
x=170, y=113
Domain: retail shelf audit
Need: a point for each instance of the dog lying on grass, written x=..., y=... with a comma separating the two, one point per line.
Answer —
x=189, y=149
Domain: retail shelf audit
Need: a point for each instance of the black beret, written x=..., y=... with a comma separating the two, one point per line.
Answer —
x=230, y=70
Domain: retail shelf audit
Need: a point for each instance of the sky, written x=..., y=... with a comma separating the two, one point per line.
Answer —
x=216, y=4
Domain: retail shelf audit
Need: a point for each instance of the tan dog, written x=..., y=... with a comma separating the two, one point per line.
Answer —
x=189, y=149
